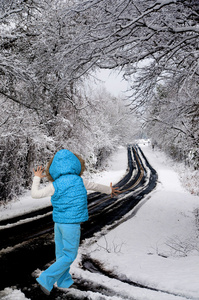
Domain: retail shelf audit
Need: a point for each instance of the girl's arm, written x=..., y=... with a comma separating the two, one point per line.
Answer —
x=40, y=193
x=101, y=188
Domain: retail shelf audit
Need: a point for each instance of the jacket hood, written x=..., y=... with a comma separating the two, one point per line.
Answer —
x=64, y=162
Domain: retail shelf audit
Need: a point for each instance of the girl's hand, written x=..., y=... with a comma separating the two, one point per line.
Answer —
x=114, y=191
x=39, y=172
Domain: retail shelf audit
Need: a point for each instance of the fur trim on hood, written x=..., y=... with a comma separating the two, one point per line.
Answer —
x=64, y=162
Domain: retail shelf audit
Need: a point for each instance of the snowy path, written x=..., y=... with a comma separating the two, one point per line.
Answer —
x=36, y=234
x=157, y=247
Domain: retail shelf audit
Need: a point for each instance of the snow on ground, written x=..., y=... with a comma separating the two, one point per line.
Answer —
x=157, y=247
x=21, y=206
x=12, y=294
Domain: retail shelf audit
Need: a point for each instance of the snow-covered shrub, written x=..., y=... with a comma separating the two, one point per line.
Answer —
x=193, y=158
x=190, y=179
x=18, y=156
x=183, y=247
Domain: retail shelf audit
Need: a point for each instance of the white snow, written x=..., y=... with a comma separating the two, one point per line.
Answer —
x=12, y=294
x=156, y=245
x=21, y=206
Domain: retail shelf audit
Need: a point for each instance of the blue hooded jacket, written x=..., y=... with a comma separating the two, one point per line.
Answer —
x=69, y=200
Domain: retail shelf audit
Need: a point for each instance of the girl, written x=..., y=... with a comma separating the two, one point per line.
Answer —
x=68, y=193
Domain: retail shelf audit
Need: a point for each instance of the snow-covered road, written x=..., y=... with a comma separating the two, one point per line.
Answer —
x=155, y=246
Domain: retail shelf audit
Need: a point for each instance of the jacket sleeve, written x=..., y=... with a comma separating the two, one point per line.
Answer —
x=41, y=193
x=97, y=187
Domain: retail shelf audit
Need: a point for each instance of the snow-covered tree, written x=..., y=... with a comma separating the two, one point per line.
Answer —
x=48, y=49
x=155, y=42
x=172, y=121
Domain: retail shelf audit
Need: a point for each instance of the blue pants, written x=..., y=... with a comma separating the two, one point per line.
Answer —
x=67, y=238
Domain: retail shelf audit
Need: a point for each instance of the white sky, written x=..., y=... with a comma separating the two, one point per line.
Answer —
x=113, y=81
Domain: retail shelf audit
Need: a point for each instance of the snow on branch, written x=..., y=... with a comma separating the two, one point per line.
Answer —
x=10, y=7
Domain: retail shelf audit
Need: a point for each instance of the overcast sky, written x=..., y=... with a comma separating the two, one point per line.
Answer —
x=113, y=81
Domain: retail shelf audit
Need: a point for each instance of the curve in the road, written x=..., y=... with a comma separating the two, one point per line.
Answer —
x=36, y=237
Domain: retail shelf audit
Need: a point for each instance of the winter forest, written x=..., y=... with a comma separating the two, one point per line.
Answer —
x=50, y=51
